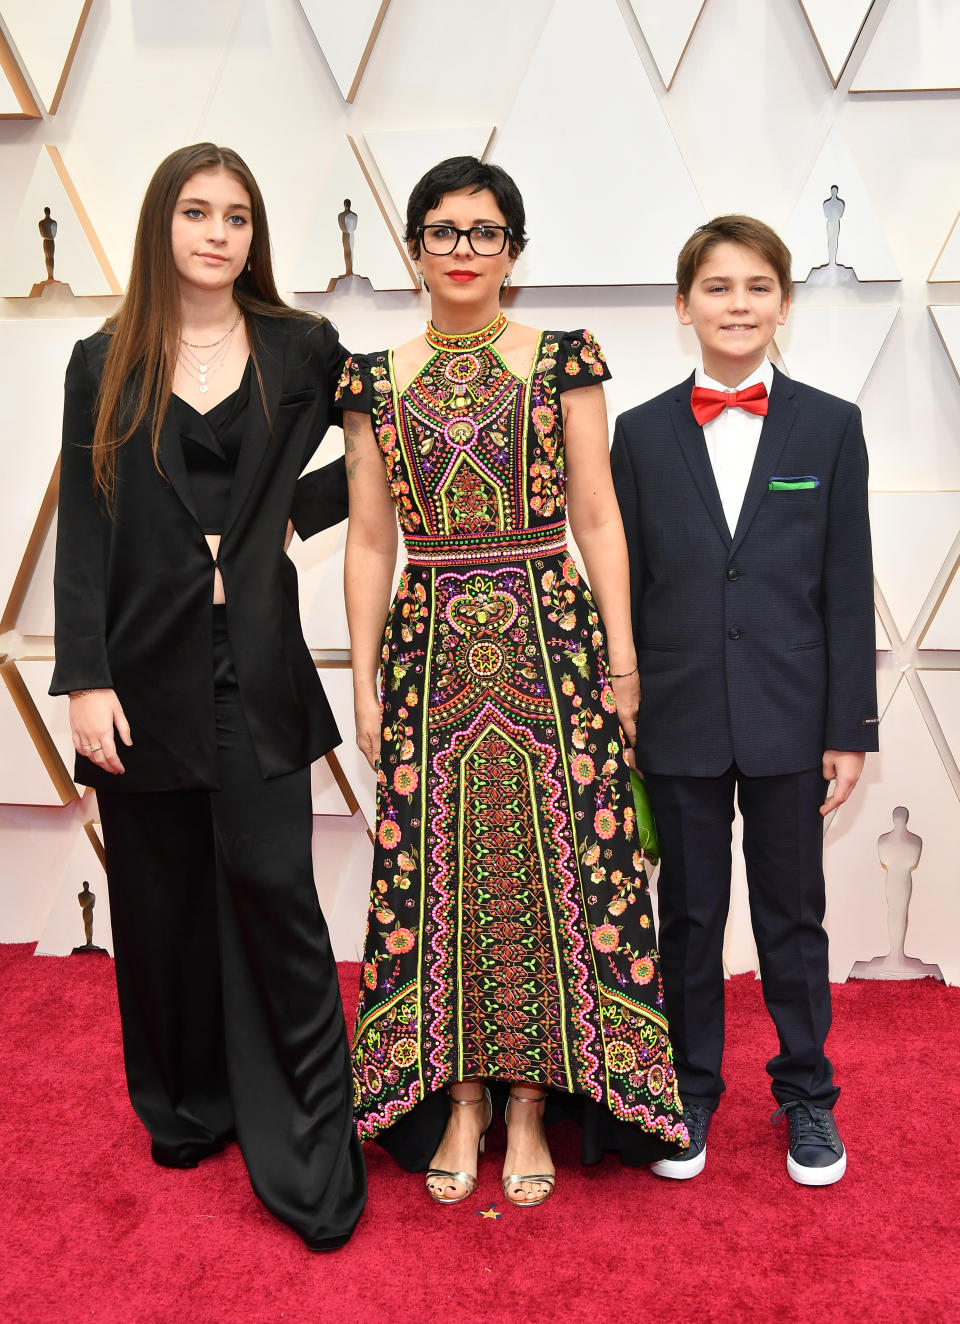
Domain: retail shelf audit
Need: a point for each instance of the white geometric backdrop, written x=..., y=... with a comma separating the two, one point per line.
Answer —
x=626, y=123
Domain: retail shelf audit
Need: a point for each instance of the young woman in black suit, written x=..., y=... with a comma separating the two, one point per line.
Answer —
x=195, y=707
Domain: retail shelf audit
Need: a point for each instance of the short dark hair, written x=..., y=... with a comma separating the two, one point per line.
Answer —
x=744, y=230
x=458, y=172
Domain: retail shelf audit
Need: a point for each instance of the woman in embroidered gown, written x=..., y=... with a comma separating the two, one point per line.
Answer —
x=510, y=937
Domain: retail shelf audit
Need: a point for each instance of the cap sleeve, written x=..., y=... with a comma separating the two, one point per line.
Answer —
x=580, y=360
x=355, y=387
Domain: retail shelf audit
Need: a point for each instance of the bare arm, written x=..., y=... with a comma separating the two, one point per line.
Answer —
x=369, y=561
x=598, y=530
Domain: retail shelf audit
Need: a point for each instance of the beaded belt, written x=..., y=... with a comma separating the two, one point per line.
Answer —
x=481, y=548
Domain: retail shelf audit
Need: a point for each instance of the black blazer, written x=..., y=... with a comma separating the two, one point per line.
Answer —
x=133, y=591
x=757, y=649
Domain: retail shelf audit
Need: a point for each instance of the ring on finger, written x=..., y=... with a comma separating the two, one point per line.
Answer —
x=94, y=749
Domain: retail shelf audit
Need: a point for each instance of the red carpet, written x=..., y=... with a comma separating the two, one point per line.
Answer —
x=93, y=1230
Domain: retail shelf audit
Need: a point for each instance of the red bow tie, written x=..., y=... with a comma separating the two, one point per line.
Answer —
x=707, y=404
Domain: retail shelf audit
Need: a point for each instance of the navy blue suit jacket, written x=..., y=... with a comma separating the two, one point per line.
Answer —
x=758, y=648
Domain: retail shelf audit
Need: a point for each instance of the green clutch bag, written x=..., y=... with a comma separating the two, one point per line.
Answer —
x=646, y=824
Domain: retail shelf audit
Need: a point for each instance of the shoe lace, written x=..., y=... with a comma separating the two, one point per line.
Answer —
x=808, y=1125
x=696, y=1120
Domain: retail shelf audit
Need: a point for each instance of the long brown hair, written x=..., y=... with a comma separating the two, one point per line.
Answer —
x=145, y=330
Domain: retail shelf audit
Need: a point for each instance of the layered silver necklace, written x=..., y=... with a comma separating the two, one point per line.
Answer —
x=203, y=365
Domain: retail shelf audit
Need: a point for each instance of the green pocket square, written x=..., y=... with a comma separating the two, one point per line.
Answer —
x=802, y=484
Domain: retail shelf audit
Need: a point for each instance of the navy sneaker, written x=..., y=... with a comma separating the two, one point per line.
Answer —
x=816, y=1156
x=690, y=1162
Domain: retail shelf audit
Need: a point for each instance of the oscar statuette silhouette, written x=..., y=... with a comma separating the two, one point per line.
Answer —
x=88, y=900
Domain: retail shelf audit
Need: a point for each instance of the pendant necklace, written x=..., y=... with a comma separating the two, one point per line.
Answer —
x=200, y=368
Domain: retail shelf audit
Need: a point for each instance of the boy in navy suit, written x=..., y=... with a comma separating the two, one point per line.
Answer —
x=744, y=500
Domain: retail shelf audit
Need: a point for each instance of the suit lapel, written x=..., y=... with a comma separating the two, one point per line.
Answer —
x=257, y=437
x=694, y=448
x=170, y=455
x=777, y=426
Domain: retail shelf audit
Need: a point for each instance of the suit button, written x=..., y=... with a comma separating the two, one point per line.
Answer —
x=734, y=632
x=733, y=575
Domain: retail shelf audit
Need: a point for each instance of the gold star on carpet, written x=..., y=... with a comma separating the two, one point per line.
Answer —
x=489, y=1213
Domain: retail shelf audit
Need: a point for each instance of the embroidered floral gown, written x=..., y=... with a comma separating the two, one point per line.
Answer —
x=510, y=933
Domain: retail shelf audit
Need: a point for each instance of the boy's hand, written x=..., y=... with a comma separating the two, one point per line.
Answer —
x=843, y=766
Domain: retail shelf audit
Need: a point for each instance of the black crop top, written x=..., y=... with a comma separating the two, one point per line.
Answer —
x=211, y=447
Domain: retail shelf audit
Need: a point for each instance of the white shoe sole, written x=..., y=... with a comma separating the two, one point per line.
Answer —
x=817, y=1176
x=680, y=1169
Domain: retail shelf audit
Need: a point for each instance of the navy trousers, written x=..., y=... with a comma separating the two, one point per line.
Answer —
x=783, y=850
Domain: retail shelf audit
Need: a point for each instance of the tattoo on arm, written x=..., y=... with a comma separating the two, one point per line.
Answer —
x=351, y=433
x=351, y=430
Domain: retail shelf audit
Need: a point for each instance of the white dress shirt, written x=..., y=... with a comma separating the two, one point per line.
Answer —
x=732, y=439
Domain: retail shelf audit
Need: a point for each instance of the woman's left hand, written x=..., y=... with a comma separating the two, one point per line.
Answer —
x=626, y=691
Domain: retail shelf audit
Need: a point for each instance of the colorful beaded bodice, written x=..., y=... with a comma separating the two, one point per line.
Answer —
x=469, y=446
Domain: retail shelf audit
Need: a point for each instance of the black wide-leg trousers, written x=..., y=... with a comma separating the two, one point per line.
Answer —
x=783, y=851
x=229, y=1002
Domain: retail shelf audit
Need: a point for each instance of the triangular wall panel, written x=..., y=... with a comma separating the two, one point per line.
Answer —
x=35, y=614
x=46, y=34
x=17, y=102
x=883, y=639
x=947, y=265
x=667, y=29
x=346, y=33
x=913, y=534
x=609, y=231
x=377, y=255
x=403, y=155
x=31, y=772
x=944, y=630
x=10, y=107
x=836, y=25
x=79, y=258
x=30, y=350
x=946, y=318
x=835, y=348
x=862, y=243
x=887, y=681
x=916, y=48
x=54, y=712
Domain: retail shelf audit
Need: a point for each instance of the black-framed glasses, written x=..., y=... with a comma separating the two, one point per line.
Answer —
x=485, y=240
